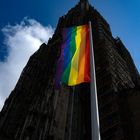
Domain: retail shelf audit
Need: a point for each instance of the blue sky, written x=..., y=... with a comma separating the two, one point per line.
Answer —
x=25, y=24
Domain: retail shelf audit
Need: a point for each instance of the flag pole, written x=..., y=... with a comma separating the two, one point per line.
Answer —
x=95, y=127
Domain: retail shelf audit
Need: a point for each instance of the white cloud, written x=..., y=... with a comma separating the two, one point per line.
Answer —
x=22, y=41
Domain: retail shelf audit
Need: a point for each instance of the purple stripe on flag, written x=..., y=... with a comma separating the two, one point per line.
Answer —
x=60, y=63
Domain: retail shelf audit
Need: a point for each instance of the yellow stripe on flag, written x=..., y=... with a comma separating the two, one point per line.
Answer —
x=81, y=65
x=75, y=59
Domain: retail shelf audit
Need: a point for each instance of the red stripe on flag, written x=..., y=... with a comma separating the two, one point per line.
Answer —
x=87, y=57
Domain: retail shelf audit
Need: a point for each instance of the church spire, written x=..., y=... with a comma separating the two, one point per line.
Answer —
x=84, y=4
x=83, y=1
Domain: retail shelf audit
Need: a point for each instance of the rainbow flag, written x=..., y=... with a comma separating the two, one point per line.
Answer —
x=73, y=66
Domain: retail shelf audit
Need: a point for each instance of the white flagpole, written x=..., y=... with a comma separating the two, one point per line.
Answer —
x=95, y=127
